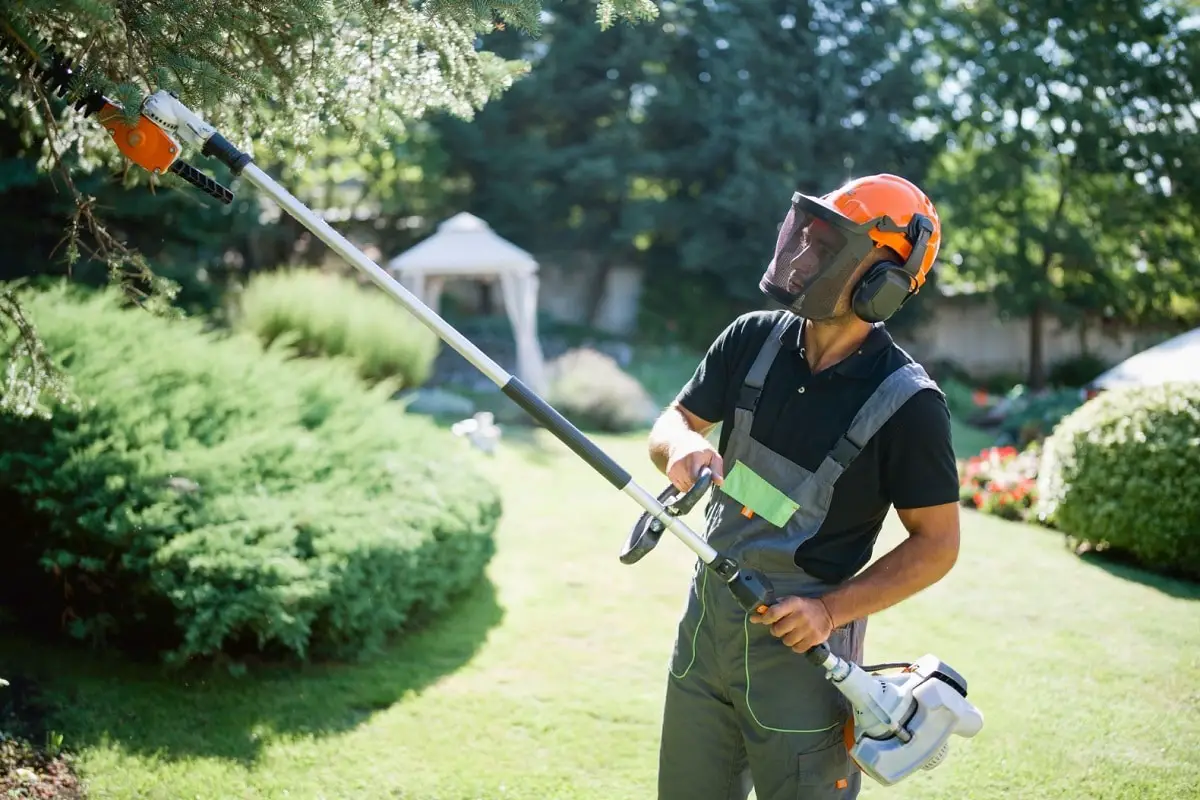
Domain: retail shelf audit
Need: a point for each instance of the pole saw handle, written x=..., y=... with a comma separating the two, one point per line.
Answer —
x=683, y=504
x=644, y=535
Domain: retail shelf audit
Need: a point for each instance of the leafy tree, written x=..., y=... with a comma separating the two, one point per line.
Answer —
x=269, y=75
x=554, y=163
x=1069, y=168
x=678, y=149
x=761, y=100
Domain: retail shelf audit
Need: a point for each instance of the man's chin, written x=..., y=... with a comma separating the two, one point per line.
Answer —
x=842, y=315
x=837, y=318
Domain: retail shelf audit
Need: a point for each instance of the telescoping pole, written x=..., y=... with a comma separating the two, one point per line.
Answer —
x=511, y=385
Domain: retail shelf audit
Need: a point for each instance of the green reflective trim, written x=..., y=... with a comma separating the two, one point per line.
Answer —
x=752, y=490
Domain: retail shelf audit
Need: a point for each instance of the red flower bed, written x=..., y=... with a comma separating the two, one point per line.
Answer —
x=1000, y=481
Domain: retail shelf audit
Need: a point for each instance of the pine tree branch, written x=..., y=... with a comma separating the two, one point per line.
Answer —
x=30, y=375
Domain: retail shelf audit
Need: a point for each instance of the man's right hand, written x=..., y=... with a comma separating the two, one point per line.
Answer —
x=686, y=458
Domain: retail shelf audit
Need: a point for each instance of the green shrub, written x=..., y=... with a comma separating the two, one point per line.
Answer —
x=207, y=496
x=999, y=382
x=1123, y=471
x=324, y=314
x=590, y=389
x=662, y=370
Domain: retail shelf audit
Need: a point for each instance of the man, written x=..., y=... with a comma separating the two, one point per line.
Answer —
x=827, y=424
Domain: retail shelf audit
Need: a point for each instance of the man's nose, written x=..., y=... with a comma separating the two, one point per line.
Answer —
x=806, y=263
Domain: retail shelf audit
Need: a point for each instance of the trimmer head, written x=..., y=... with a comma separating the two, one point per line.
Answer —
x=932, y=704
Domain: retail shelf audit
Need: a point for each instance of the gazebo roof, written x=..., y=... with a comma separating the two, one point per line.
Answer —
x=463, y=245
x=1177, y=359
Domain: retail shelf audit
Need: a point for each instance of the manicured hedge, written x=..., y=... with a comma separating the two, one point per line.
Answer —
x=207, y=496
x=1123, y=471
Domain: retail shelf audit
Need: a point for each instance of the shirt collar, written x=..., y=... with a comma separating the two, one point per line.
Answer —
x=859, y=364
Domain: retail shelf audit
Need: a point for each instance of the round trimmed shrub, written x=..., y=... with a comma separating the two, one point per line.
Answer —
x=207, y=497
x=591, y=390
x=1123, y=471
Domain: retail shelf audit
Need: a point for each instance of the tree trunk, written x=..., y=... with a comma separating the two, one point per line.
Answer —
x=597, y=295
x=1037, y=367
x=1050, y=245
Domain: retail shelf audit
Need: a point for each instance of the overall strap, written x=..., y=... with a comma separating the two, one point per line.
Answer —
x=747, y=402
x=893, y=393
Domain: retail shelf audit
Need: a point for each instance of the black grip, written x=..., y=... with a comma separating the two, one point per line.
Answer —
x=198, y=179
x=222, y=150
x=817, y=654
x=753, y=590
x=571, y=436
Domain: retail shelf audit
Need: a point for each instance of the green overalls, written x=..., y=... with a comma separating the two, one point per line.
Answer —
x=738, y=699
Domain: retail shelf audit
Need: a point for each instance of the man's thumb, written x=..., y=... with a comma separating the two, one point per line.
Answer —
x=772, y=615
x=718, y=469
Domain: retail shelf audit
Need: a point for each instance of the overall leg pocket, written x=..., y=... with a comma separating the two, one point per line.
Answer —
x=847, y=642
x=783, y=692
x=826, y=774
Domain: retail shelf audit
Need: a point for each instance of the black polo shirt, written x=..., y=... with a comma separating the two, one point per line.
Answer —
x=909, y=463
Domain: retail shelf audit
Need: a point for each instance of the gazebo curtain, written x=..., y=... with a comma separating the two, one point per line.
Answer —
x=519, y=290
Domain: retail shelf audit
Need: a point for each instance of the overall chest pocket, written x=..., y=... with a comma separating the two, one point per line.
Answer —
x=782, y=495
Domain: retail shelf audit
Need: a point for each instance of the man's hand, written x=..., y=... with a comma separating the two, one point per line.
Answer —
x=679, y=449
x=800, y=622
x=687, y=455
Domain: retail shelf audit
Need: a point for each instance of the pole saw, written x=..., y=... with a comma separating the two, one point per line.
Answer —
x=902, y=722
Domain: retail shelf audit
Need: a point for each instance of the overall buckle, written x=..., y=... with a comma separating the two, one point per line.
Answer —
x=844, y=452
x=748, y=398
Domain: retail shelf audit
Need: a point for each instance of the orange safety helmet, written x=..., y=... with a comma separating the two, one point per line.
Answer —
x=823, y=242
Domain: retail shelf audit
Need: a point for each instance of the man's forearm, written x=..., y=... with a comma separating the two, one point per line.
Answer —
x=668, y=428
x=915, y=564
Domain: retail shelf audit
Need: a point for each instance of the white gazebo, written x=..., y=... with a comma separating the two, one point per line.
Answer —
x=465, y=246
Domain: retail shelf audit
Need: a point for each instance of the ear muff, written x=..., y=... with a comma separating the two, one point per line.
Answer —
x=887, y=286
x=882, y=291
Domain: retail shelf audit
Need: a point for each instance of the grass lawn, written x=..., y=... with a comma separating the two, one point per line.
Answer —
x=547, y=683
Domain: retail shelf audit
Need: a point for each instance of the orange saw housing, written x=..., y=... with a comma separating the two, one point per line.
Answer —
x=145, y=144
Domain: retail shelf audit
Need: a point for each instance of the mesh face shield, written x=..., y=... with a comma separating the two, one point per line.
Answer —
x=816, y=255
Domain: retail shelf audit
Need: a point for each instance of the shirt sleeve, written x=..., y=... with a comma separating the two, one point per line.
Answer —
x=705, y=393
x=919, y=468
